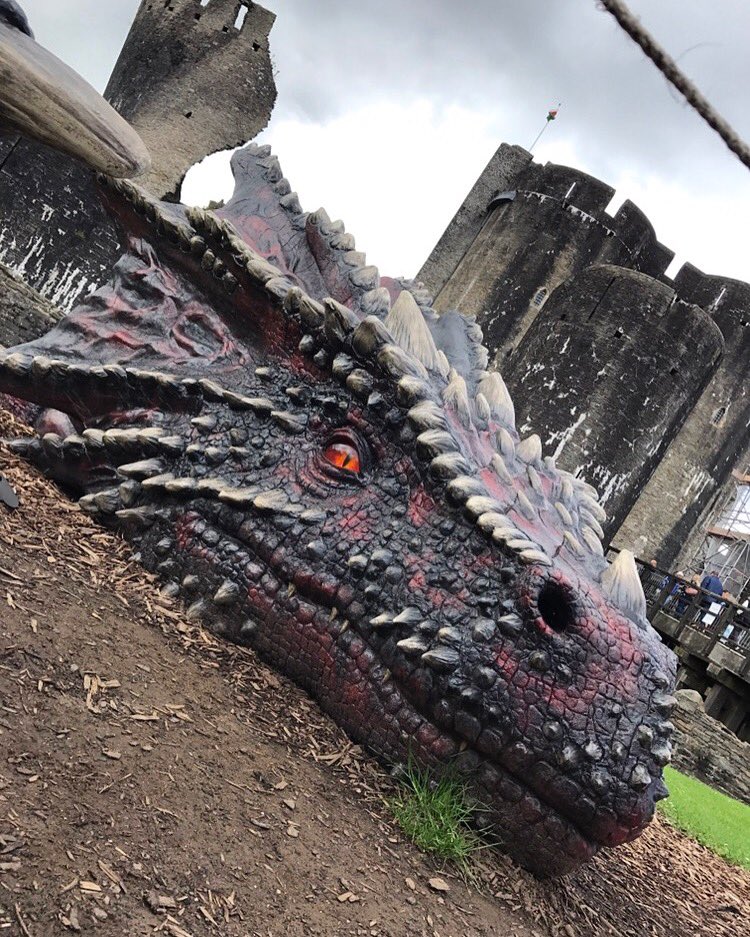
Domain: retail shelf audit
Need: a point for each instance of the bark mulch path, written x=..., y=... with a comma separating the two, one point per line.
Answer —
x=155, y=780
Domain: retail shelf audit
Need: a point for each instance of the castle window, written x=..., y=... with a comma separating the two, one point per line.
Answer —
x=539, y=297
x=718, y=415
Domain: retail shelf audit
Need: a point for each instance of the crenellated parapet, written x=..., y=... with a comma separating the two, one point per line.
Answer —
x=544, y=224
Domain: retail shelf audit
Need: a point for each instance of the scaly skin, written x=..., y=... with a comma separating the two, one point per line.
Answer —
x=448, y=600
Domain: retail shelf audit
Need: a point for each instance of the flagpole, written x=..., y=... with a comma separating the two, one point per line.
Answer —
x=550, y=117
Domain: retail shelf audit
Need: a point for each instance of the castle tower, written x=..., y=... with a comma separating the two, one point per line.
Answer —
x=194, y=76
x=673, y=507
x=607, y=373
x=505, y=252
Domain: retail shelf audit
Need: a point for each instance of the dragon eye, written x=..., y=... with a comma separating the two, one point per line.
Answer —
x=344, y=456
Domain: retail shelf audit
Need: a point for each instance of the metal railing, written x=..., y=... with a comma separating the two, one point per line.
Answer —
x=689, y=608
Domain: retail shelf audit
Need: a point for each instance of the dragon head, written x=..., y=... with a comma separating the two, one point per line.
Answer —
x=326, y=471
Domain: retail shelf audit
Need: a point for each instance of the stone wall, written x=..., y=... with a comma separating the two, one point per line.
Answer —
x=707, y=750
x=712, y=440
x=24, y=314
x=193, y=78
x=606, y=375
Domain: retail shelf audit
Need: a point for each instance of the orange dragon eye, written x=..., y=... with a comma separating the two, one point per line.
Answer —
x=343, y=456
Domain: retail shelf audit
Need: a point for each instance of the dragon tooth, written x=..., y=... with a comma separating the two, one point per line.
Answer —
x=640, y=778
x=592, y=522
x=238, y=497
x=395, y=362
x=355, y=259
x=164, y=546
x=360, y=383
x=411, y=391
x=490, y=520
x=529, y=450
x=171, y=445
x=501, y=469
x=483, y=409
x=366, y=278
x=143, y=469
x=273, y=500
x=573, y=543
x=342, y=366
x=535, y=557
x=592, y=540
x=409, y=616
x=227, y=594
x=339, y=321
x=662, y=754
x=198, y=611
x=435, y=442
x=209, y=486
x=534, y=479
x=204, y=424
x=456, y=396
x=376, y=302
x=157, y=481
x=180, y=486
x=493, y=389
x=413, y=645
x=129, y=492
x=383, y=621
x=290, y=201
x=310, y=312
x=289, y=422
x=449, y=465
x=621, y=580
x=406, y=323
x=460, y=489
x=343, y=241
x=564, y=513
x=141, y=517
x=481, y=504
x=449, y=635
x=427, y=415
x=525, y=506
x=593, y=507
x=369, y=337
x=442, y=659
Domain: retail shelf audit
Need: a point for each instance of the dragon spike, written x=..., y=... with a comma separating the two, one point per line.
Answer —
x=493, y=389
x=620, y=579
x=530, y=449
x=406, y=323
x=455, y=395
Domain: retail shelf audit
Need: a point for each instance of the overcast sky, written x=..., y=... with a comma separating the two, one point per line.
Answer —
x=388, y=111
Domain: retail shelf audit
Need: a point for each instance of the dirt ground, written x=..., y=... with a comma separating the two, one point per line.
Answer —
x=154, y=780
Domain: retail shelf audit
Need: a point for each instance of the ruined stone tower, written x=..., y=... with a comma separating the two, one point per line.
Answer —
x=194, y=76
x=636, y=382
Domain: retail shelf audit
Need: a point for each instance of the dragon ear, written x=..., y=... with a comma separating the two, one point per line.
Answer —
x=621, y=581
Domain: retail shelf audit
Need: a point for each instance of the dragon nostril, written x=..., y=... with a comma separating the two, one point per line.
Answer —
x=555, y=607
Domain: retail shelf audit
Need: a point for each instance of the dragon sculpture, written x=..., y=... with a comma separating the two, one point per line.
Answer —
x=326, y=471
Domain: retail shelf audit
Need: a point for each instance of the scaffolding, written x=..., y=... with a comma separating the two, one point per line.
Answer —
x=725, y=548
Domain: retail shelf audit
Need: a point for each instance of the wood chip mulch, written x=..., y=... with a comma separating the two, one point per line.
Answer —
x=662, y=885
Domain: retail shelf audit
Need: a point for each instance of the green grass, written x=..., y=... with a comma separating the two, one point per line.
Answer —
x=710, y=817
x=435, y=813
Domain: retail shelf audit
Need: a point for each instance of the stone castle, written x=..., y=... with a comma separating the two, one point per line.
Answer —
x=635, y=381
